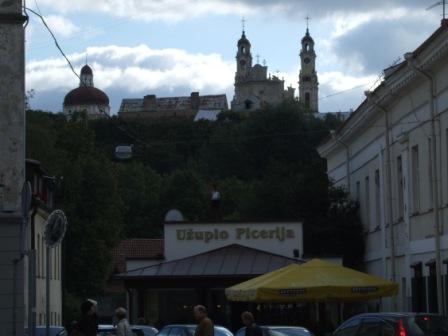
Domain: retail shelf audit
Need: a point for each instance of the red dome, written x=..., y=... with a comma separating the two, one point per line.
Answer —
x=86, y=95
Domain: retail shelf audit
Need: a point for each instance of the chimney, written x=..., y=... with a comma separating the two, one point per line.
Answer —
x=195, y=102
x=150, y=103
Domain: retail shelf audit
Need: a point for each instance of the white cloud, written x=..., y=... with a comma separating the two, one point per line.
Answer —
x=135, y=71
x=61, y=25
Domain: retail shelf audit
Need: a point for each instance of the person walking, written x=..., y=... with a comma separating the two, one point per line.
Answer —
x=205, y=325
x=123, y=327
x=252, y=329
x=88, y=323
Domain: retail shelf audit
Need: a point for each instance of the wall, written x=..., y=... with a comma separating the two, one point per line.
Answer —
x=413, y=217
x=184, y=239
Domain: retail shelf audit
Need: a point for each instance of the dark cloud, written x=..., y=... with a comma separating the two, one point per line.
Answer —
x=376, y=44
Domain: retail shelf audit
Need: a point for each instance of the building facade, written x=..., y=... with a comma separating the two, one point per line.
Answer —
x=42, y=205
x=254, y=89
x=392, y=156
x=308, y=83
x=86, y=98
x=151, y=107
x=200, y=260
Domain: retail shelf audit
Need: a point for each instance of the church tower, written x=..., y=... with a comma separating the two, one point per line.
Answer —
x=243, y=59
x=308, y=83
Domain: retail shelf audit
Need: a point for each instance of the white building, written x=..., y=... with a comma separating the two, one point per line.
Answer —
x=86, y=98
x=402, y=179
x=41, y=209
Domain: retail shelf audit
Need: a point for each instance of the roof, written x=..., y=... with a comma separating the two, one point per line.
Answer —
x=231, y=260
x=208, y=102
x=243, y=39
x=307, y=37
x=86, y=70
x=211, y=115
x=145, y=249
x=86, y=95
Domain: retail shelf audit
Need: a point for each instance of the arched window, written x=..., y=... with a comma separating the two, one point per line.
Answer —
x=307, y=100
x=307, y=47
x=248, y=104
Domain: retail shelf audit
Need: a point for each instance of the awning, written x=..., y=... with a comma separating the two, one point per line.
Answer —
x=315, y=280
x=229, y=261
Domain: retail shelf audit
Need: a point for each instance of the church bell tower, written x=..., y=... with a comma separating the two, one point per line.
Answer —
x=308, y=83
x=243, y=59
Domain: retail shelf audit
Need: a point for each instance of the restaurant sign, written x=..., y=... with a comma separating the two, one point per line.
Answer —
x=279, y=233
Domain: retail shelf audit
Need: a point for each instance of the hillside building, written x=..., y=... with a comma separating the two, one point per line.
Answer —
x=308, y=83
x=254, y=89
x=86, y=98
x=188, y=107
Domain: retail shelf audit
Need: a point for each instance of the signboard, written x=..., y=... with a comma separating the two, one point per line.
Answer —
x=188, y=239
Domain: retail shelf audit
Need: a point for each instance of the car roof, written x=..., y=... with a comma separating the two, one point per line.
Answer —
x=189, y=326
x=394, y=314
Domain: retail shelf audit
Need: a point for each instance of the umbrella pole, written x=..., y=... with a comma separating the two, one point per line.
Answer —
x=317, y=312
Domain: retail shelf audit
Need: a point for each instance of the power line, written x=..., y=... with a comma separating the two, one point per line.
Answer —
x=55, y=40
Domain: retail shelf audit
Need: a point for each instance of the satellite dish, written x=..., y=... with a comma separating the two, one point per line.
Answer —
x=124, y=152
x=55, y=228
x=174, y=215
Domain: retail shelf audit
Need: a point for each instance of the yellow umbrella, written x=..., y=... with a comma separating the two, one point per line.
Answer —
x=315, y=280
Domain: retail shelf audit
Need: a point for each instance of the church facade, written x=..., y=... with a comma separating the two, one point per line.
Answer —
x=254, y=89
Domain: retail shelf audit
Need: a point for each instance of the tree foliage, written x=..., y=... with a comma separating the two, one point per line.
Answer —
x=265, y=165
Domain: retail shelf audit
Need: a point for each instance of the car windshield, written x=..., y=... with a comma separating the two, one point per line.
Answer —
x=430, y=325
x=219, y=331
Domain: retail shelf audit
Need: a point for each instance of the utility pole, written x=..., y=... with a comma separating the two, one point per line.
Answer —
x=12, y=164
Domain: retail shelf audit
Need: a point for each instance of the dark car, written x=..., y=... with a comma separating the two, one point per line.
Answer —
x=54, y=331
x=188, y=330
x=279, y=331
x=394, y=324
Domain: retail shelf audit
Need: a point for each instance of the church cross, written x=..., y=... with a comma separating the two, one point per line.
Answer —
x=243, y=23
x=307, y=22
x=258, y=58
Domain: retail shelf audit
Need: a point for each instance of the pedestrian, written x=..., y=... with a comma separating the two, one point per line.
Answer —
x=252, y=329
x=123, y=328
x=88, y=323
x=205, y=325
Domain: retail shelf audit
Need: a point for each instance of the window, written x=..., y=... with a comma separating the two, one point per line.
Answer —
x=367, y=201
x=248, y=104
x=400, y=186
x=370, y=327
x=39, y=251
x=377, y=198
x=430, y=173
x=358, y=191
x=349, y=328
x=307, y=100
x=176, y=331
x=164, y=332
x=415, y=180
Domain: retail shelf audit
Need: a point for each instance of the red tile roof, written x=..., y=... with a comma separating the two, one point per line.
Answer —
x=150, y=249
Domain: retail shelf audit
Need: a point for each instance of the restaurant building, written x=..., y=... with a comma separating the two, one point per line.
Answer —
x=199, y=261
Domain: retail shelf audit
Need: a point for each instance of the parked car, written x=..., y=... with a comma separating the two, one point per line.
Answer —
x=394, y=324
x=188, y=330
x=279, y=331
x=109, y=330
x=147, y=330
x=54, y=331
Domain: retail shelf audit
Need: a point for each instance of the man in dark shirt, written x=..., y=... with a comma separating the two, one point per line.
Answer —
x=252, y=329
x=205, y=325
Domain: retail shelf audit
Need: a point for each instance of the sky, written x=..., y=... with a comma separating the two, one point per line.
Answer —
x=175, y=47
